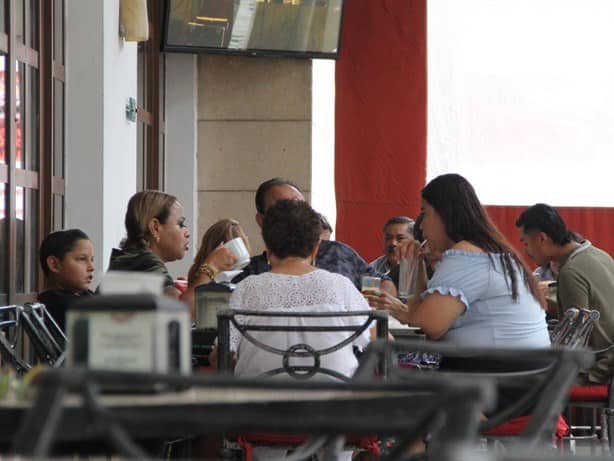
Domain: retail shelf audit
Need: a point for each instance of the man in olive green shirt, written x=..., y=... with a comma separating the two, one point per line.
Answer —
x=586, y=276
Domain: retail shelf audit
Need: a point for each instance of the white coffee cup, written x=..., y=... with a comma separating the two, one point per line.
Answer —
x=238, y=248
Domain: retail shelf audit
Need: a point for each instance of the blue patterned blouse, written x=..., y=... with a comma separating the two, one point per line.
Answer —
x=491, y=317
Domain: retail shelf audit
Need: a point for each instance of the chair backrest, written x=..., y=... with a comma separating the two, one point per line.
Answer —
x=540, y=379
x=47, y=338
x=9, y=336
x=575, y=328
x=298, y=343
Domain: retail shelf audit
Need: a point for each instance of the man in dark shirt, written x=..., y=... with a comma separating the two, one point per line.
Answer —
x=332, y=256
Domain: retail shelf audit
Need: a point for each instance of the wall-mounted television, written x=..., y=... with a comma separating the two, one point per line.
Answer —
x=299, y=28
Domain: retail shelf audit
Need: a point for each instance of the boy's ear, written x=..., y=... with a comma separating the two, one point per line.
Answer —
x=54, y=264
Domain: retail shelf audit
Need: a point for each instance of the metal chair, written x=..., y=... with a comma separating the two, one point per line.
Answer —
x=574, y=330
x=9, y=338
x=45, y=335
x=544, y=389
x=268, y=331
x=319, y=339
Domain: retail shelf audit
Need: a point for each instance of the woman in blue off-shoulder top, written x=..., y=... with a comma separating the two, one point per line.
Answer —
x=481, y=294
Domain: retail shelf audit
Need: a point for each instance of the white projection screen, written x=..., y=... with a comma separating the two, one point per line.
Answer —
x=521, y=99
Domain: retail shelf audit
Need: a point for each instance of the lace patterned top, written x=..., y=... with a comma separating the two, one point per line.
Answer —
x=319, y=291
x=491, y=318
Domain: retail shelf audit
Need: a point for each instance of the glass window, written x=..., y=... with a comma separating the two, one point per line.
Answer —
x=58, y=36
x=32, y=23
x=58, y=129
x=20, y=229
x=58, y=212
x=26, y=117
x=2, y=15
x=4, y=238
x=19, y=20
x=162, y=90
x=26, y=211
x=32, y=220
x=20, y=83
x=141, y=72
x=3, y=106
x=31, y=116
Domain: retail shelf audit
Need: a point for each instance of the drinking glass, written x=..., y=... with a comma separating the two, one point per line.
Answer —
x=371, y=285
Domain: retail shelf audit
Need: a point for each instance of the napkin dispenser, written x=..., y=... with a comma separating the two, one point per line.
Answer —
x=129, y=332
x=209, y=299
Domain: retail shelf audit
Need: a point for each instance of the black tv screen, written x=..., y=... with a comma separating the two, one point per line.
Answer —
x=302, y=28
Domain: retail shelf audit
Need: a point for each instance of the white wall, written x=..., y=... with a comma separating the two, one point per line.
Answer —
x=181, y=165
x=254, y=123
x=323, y=197
x=101, y=74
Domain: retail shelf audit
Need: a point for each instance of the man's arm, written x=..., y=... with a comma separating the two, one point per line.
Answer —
x=257, y=265
x=573, y=290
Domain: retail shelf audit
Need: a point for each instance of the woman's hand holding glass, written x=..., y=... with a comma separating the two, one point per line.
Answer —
x=393, y=305
x=221, y=259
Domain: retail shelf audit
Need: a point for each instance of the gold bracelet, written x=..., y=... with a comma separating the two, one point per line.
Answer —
x=207, y=270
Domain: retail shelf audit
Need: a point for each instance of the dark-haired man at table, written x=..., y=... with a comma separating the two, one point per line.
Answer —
x=585, y=280
x=332, y=256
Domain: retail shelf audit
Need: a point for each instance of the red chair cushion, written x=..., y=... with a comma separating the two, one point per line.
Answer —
x=249, y=440
x=589, y=393
x=271, y=438
x=516, y=426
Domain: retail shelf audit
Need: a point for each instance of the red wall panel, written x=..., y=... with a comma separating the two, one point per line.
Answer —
x=380, y=121
x=595, y=224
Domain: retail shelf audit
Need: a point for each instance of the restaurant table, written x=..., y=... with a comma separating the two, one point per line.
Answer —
x=69, y=407
x=405, y=332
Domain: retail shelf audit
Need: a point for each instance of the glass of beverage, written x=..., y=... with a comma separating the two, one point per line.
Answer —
x=409, y=269
x=371, y=285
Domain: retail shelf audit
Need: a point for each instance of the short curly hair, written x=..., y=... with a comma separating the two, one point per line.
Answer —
x=291, y=228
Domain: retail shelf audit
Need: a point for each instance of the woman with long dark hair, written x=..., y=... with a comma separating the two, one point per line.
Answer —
x=481, y=294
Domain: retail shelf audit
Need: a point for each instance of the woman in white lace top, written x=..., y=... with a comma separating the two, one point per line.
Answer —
x=291, y=232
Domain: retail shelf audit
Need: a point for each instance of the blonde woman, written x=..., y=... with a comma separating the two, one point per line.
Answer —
x=156, y=234
x=219, y=233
